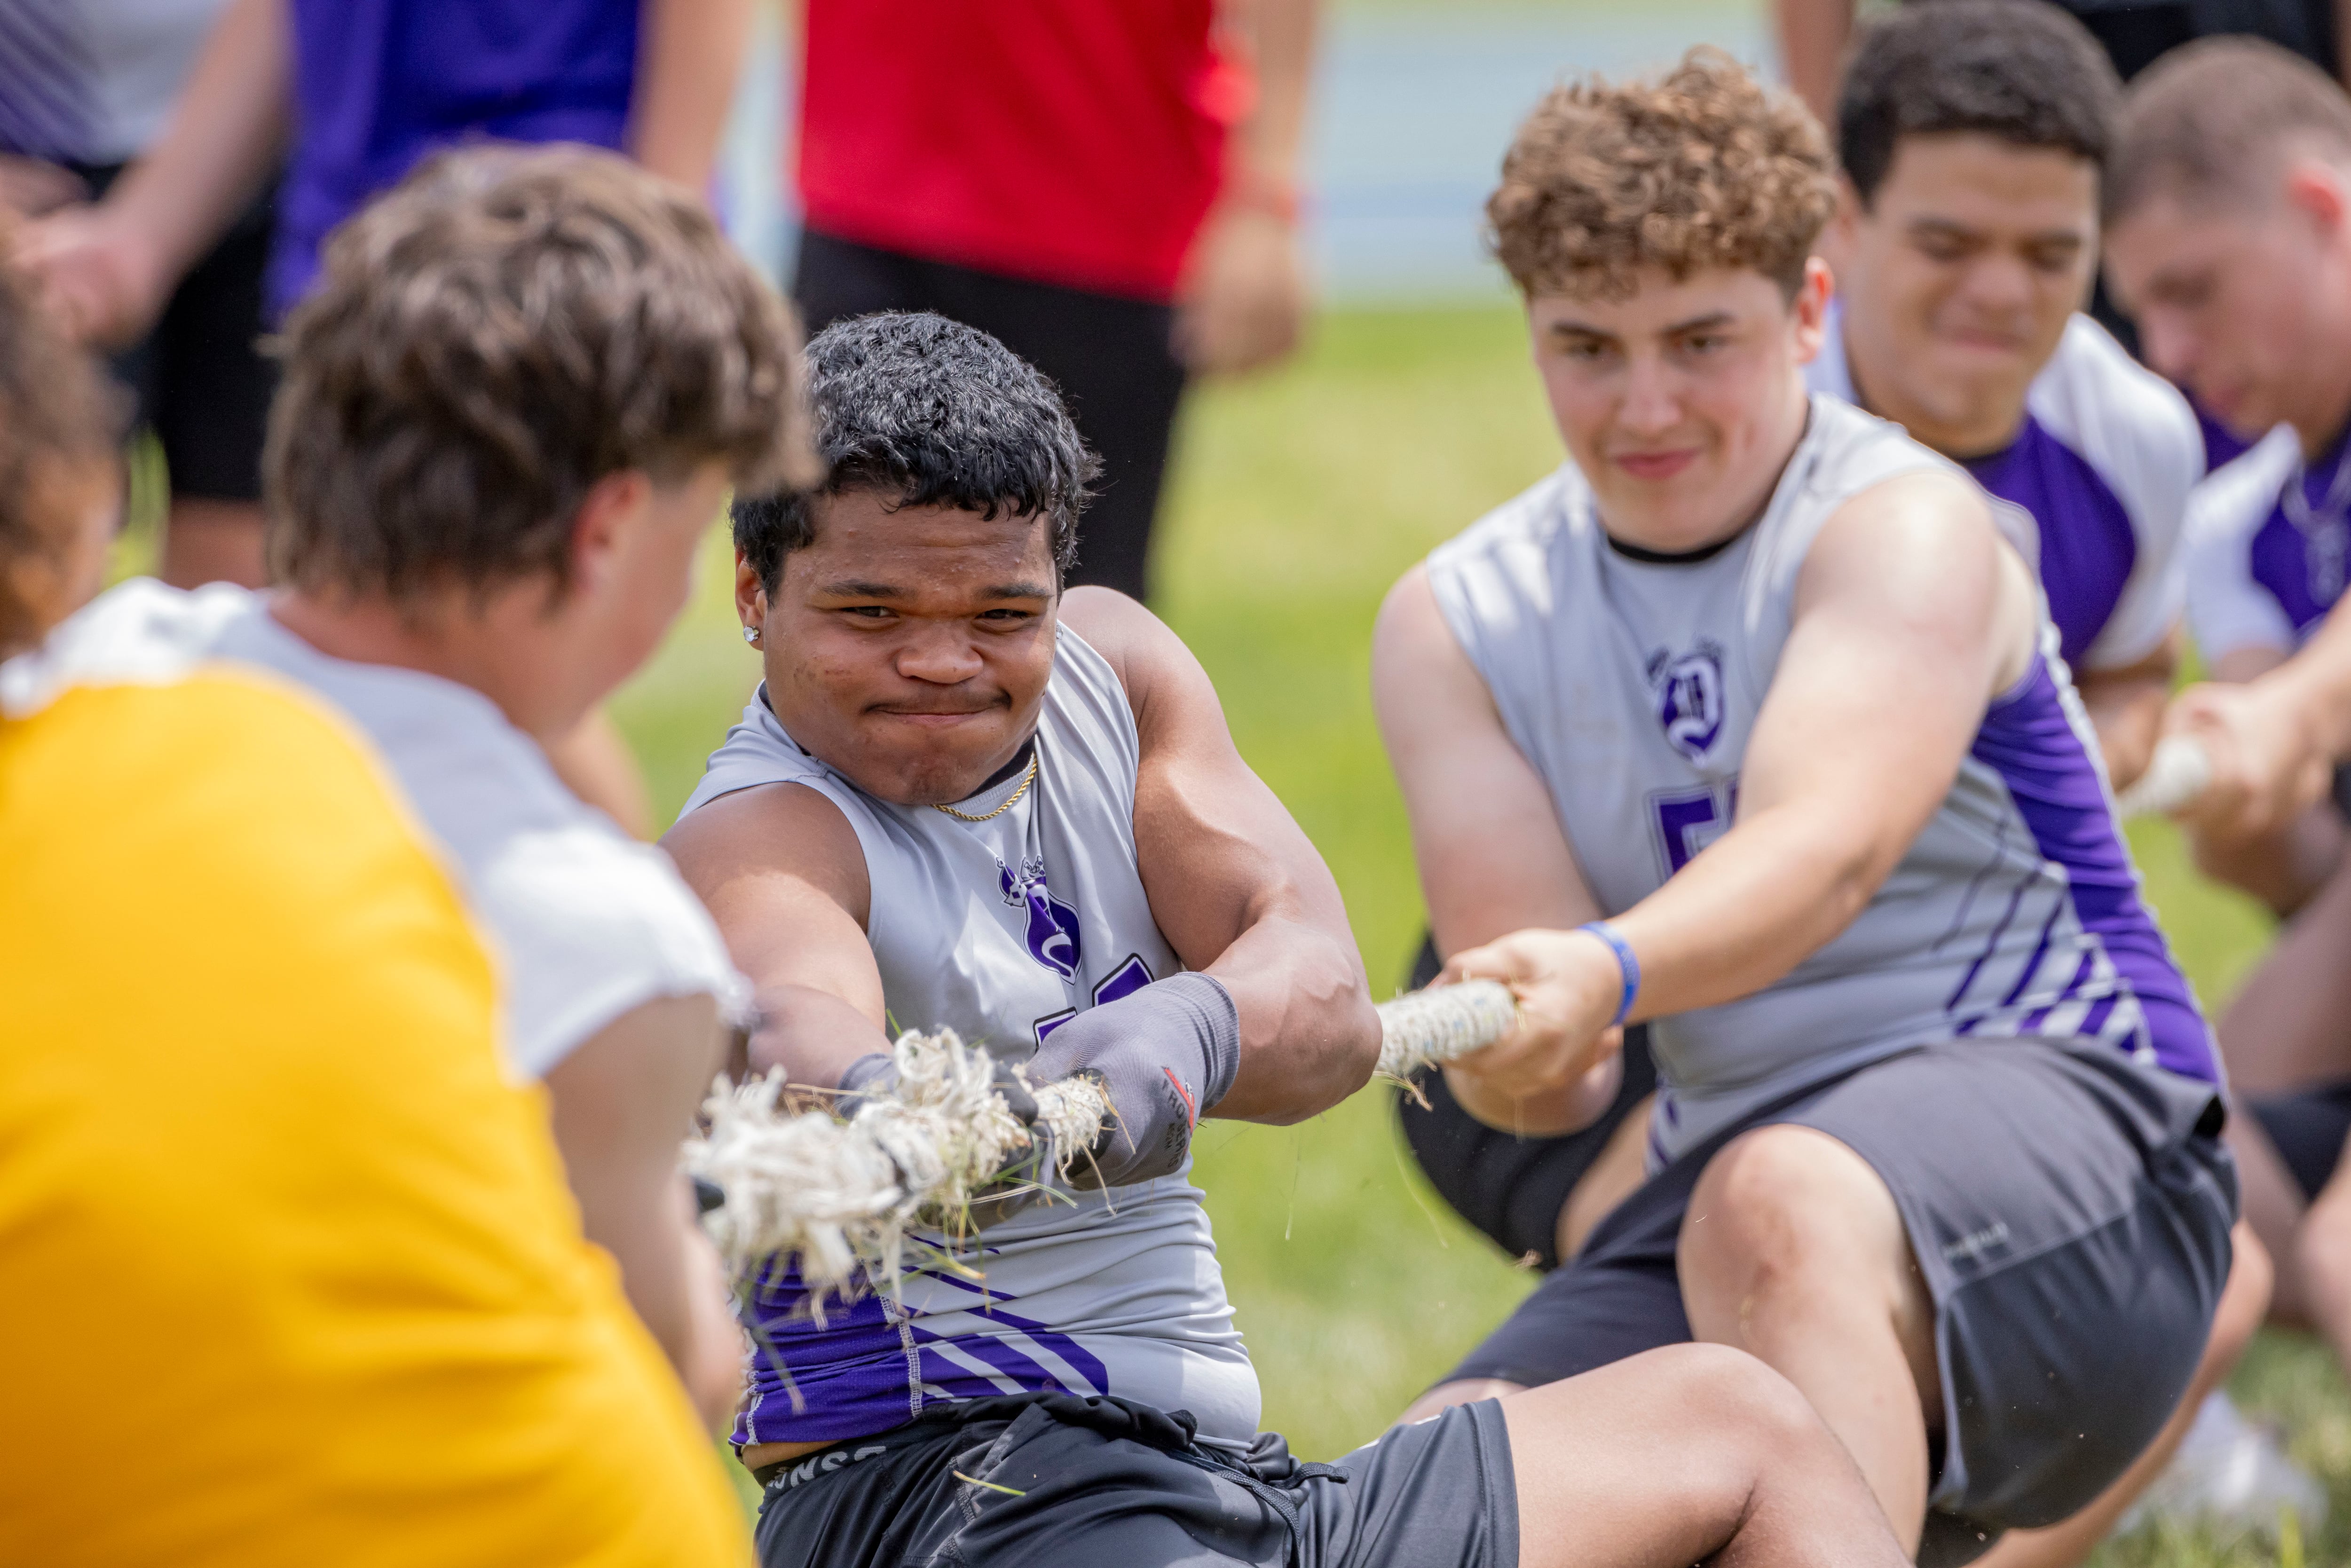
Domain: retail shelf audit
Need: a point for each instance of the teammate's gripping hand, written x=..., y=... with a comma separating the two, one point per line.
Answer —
x=2267, y=766
x=1569, y=986
x=1166, y=1054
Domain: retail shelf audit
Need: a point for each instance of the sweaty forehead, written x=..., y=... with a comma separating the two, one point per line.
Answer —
x=866, y=546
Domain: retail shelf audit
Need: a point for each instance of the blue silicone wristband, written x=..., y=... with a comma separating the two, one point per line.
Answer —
x=1627, y=964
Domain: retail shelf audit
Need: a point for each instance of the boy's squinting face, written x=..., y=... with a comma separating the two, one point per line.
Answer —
x=1681, y=401
x=909, y=648
x=1959, y=278
x=2239, y=303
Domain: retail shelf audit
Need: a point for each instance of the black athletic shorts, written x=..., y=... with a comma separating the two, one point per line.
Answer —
x=1509, y=1186
x=2307, y=1128
x=1113, y=358
x=2070, y=1210
x=200, y=379
x=1054, y=1480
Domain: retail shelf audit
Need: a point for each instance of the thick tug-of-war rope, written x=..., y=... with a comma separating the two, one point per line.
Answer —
x=838, y=1197
x=2175, y=776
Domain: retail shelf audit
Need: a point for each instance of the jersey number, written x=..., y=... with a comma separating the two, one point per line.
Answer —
x=1688, y=821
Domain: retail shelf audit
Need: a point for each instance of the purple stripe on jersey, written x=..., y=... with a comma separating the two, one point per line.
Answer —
x=2100, y=1010
x=2032, y=970
x=2029, y=740
x=2279, y=560
x=1991, y=946
x=2280, y=557
x=2221, y=445
x=852, y=1377
x=2087, y=545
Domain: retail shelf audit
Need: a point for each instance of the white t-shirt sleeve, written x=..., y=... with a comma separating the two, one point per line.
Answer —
x=590, y=926
x=2140, y=437
x=2227, y=610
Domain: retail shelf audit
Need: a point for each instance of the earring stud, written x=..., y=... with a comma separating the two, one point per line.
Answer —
x=751, y=635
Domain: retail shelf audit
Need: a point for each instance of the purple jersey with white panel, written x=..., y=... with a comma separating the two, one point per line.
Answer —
x=1633, y=686
x=379, y=85
x=2268, y=547
x=1002, y=930
x=2097, y=482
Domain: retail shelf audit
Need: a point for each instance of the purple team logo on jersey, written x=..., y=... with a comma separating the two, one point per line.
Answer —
x=1688, y=688
x=1052, y=924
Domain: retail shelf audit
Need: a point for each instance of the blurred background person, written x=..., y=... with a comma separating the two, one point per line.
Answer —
x=354, y=93
x=1814, y=35
x=2229, y=233
x=1110, y=191
x=283, y=1182
x=86, y=89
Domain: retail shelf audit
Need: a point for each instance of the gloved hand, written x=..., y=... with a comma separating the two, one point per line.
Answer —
x=1166, y=1054
x=1020, y=1184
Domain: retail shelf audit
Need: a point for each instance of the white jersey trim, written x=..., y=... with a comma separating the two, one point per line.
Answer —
x=2137, y=434
x=2227, y=610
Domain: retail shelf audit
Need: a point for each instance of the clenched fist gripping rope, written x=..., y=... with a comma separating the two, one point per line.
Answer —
x=838, y=1196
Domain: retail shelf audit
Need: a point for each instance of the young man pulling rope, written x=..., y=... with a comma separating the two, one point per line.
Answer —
x=962, y=799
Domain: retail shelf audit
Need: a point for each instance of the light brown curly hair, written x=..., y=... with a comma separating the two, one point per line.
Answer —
x=1702, y=168
x=500, y=331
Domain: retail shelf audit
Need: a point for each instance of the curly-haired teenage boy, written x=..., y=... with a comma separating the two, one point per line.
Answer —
x=1747, y=723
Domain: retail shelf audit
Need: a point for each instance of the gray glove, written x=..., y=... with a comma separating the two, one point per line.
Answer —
x=1019, y=1185
x=1166, y=1054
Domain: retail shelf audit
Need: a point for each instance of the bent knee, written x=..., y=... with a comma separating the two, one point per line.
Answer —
x=1779, y=1194
x=1718, y=1389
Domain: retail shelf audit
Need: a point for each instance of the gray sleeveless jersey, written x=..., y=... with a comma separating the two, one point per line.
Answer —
x=1632, y=686
x=1003, y=930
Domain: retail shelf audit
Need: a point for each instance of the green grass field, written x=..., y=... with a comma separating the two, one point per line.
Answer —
x=1298, y=498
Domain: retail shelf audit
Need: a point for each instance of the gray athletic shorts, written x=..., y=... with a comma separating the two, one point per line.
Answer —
x=2070, y=1210
x=1054, y=1480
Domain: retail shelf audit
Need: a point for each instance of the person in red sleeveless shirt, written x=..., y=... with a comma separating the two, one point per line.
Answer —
x=1111, y=189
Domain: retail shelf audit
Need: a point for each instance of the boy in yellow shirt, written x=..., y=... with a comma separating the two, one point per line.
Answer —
x=288, y=1269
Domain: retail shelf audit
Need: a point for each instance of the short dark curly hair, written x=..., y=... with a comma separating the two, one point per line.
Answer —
x=1702, y=168
x=2022, y=71
x=491, y=338
x=929, y=412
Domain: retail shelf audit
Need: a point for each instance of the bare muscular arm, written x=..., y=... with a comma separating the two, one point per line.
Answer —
x=781, y=869
x=1492, y=856
x=1909, y=618
x=1234, y=885
x=623, y=1101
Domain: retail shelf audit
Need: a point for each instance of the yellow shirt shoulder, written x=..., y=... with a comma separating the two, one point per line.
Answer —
x=274, y=1225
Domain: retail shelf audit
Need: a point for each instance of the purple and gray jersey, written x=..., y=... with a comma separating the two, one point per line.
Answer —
x=2095, y=483
x=1632, y=687
x=2267, y=547
x=1002, y=930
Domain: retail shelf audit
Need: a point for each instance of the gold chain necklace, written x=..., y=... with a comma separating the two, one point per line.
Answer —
x=1027, y=779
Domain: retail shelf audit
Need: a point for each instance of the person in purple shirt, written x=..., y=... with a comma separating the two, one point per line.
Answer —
x=1972, y=138
x=2229, y=225
x=352, y=94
